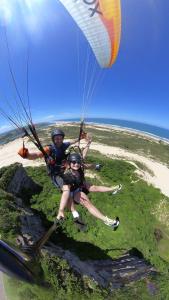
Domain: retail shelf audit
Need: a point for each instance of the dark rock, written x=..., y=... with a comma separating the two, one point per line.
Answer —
x=21, y=185
x=31, y=224
x=108, y=273
x=136, y=252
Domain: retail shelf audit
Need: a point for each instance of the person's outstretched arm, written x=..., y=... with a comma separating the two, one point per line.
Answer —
x=63, y=201
x=86, y=148
x=24, y=153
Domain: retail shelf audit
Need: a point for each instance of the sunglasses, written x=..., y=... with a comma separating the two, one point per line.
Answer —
x=75, y=162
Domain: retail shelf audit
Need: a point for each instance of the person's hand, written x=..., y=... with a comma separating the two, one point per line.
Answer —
x=60, y=215
x=64, y=164
x=88, y=138
x=83, y=135
x=23, y=152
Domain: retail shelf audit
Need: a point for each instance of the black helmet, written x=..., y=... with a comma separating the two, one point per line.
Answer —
x=75, y=157
x=57, y=132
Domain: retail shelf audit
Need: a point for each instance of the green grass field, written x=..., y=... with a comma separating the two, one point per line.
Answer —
x=142, y=209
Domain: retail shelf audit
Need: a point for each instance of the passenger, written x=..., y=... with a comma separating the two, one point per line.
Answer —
x=56, y=159
x=76, y=185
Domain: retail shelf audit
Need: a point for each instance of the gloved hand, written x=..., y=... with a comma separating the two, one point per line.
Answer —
x=98, y=167
x=23, y=152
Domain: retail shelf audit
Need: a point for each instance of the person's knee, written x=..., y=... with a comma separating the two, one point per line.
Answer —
x=85, y=201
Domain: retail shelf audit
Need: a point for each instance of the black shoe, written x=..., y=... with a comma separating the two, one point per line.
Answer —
x=114, y=224
x=117, y=224
x=80, y=224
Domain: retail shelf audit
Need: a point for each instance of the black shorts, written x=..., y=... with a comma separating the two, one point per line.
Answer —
x=80, y=189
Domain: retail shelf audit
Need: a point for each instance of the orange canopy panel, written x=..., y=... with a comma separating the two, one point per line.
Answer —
x=100, y=21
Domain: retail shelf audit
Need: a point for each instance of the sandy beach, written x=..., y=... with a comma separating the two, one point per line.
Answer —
x=107, y=127
x=158, y=175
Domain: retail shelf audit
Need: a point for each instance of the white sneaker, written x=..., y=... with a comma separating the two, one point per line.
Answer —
x=114, y=224
x=116, y=190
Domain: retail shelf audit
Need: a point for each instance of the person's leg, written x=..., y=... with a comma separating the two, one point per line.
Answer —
x=103, y=189
x=84, y=200
x=76, y=217
x=96, y=188
x=71, y=207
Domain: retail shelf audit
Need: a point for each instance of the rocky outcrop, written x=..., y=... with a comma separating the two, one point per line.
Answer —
x=107, y=273
x=21, y=184
x=31, y=225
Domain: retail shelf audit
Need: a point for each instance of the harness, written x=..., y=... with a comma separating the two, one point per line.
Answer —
x=56, y=160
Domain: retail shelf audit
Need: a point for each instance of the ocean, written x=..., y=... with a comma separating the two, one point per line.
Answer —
x=159, y=132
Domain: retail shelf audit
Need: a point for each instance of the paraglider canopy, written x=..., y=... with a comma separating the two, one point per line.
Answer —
x=100, y=21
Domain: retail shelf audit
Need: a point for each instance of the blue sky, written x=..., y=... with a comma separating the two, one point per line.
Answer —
x=135, y=88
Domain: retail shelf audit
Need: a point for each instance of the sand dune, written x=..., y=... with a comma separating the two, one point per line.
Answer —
x=158, y=176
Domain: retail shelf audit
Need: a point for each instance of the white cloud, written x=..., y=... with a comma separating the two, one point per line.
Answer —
x=49, y=118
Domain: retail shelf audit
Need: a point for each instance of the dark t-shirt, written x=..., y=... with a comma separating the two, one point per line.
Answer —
x=58, y=155
x=75, y=181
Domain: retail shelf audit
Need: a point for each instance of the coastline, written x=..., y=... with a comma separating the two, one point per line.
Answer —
x=157, y=173
x=102, y=126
